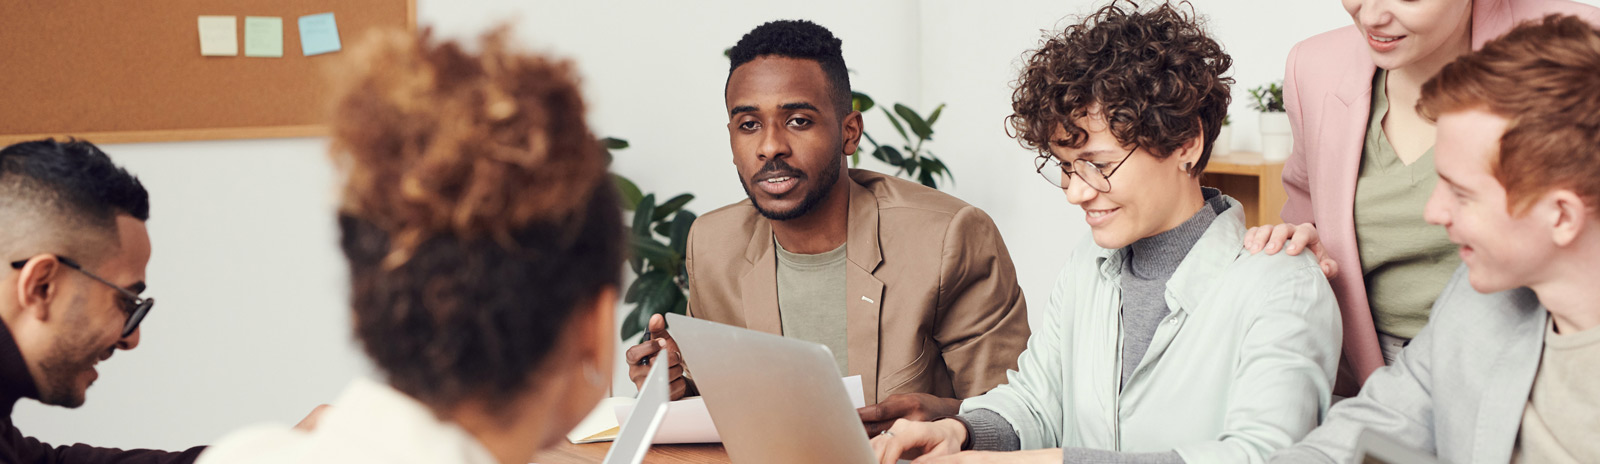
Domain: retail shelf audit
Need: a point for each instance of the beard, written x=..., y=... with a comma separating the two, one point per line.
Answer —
x=69, y=358
x=825, y=182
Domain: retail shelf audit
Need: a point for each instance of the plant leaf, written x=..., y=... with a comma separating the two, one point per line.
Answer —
x=657, y=296
x=855, y=158
x=860, y=102
x=680, y=232
x=632, y=295
x=671, y=206
x=630, y=192
x=641, y=215
x=918, y=125
x=659, y=256
x=896, y=122
x=926, y=177
x=663, y=228
x=890, y=155
x=630, y=324
x=935, y=115
x=613, y=143
x=682, y=307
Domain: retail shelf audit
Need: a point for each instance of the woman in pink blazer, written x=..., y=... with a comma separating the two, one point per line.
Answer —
x=1328, y=91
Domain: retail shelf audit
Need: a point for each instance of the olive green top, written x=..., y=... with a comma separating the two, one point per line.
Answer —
x=811, y=304
x=1405, y=261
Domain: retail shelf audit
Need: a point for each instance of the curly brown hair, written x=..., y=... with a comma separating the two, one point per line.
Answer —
x=477, y=214
x=1155, y=75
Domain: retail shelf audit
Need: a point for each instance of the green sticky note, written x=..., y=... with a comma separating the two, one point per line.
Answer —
x=263, y=36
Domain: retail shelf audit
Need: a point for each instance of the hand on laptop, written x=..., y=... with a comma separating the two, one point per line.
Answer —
x=939, y=442
x=910, y=439
x=910, y=406
x=659, y=340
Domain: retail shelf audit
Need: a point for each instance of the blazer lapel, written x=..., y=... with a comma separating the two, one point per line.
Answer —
x=1505, y=394
x=863, y=291
x=758, y=287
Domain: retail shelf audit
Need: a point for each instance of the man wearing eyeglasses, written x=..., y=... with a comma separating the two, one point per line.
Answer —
x=74, y=237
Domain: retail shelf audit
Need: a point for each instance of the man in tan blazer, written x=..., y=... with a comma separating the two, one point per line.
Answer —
x=912, y=288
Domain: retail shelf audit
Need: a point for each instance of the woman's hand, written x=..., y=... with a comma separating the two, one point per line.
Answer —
x=1292, y=239
x=911, y=439
x=1044, y=456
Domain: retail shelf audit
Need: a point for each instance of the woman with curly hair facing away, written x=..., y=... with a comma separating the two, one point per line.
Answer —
x=485, y=249
x=1163, y=341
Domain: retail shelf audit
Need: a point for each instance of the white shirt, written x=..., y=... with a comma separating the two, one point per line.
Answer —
x=370, y=422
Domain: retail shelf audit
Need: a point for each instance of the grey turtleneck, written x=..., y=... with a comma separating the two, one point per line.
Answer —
x=1150, y=262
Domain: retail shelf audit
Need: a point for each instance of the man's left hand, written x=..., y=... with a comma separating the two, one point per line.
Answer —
x=908, y=406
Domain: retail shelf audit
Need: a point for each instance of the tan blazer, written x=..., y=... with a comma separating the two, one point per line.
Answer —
x=933, y=301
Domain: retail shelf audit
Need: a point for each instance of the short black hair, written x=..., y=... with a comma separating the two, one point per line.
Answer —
x=799, y=39
x=76, y=177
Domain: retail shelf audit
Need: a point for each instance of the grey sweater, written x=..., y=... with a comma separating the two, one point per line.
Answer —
x=1151, y=261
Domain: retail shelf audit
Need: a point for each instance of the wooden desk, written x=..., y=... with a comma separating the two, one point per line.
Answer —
x=1256, y=183
x=591, y=453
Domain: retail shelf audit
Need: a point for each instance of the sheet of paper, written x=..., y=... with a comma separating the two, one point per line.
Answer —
x=319, y=34
x=601, y=423
x=219, y=36
x=263, y=36
x=688, y=420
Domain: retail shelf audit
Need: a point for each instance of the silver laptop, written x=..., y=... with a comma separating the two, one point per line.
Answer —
x=633, y=441
x=773, y=399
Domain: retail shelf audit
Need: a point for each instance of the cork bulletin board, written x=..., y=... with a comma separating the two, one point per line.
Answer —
x=131, y=70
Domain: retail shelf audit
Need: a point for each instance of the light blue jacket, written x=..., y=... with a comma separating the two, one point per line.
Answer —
x=1242, y=367
x=1458, y=390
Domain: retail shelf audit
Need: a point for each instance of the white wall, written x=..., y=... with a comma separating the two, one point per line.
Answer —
x=252, y=323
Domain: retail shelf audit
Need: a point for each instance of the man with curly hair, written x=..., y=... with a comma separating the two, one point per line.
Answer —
x=1163, y=342
x=911, y=289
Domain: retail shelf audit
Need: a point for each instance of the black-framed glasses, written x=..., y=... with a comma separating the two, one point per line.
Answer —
x=136, y=307
x=1052, y=170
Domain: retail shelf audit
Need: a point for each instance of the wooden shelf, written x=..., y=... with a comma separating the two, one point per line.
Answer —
x=1256, y=183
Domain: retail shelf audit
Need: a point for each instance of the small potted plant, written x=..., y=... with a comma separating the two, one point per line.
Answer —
x=1224, y=143
x=1275, y=136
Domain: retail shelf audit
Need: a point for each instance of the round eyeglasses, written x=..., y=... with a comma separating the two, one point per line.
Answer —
x=1057, y=173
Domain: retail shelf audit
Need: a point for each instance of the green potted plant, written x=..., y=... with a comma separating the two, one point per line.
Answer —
x=662, y=283
x=1276, y=138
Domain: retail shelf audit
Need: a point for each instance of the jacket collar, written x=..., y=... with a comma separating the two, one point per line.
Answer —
x=1205, y=263
x=15, y=381
x=758, y=287
x=861, y=239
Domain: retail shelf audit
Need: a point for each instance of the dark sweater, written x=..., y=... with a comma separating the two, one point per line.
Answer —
x=15, y=384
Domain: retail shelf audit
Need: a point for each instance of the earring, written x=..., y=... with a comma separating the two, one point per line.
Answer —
x=1186, y=166
x=592, y=374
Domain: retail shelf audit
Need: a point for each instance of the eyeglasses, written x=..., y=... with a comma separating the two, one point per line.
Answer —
x=1051, y=169
x=133, y=304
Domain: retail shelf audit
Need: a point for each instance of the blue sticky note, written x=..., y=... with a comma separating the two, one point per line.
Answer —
x=318, y=34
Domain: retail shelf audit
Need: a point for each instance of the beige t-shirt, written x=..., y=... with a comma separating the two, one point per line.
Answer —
x=1562, y=420
x=811, y=303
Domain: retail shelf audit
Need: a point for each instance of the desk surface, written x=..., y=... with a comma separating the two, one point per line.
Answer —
x=568, y=453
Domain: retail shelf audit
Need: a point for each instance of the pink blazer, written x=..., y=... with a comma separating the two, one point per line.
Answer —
x=1328, y=93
